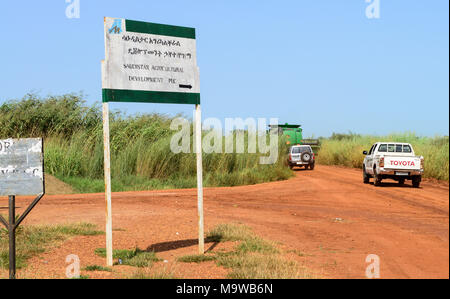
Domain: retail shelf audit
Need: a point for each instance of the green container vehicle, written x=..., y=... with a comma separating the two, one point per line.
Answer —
x=294, y=136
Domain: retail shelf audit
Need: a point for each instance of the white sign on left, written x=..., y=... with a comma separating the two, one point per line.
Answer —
x=21, y=167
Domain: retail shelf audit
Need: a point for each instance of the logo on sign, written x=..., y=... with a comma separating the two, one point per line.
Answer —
x=116, y=27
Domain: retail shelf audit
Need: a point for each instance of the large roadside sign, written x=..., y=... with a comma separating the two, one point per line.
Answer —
x=21, y=167
x=148, y=62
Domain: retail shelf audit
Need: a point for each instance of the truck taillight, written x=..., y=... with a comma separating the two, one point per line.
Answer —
x=382, y=162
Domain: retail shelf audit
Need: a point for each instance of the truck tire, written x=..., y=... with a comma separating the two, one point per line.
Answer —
x=376, y=178
x=401, y=181
x=366, y=178
x=416, y=181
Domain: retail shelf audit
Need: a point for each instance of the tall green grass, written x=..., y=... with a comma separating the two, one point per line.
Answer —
x=141, y=158
x=346, y=150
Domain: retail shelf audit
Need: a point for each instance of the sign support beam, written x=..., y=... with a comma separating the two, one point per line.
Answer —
x=11, y=225
x=12, y=237
x=107, y=167
x=198, y=144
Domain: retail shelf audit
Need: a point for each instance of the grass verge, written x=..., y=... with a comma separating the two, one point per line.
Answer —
x=135, y=257
x=229, y=232
x=33, y=240
x=141, y=152
x=253, y=257
x=196, y=258
x=261, y=266
x=158, y=274
x=97, y=268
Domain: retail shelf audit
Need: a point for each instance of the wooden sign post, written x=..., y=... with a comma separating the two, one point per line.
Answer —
x=198, y=144
x=149, y=63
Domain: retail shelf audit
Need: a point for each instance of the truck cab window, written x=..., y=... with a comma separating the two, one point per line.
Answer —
x=383, y=148
x=407, y=149
x=399, y=148
x=391, y=148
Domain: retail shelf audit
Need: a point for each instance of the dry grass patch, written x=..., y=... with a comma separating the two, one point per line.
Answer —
x=33, y=240
x=162, y=273
x=97, y=268
x=261, y=266
x=253, y=257
x=135, y=258
x=196, y=258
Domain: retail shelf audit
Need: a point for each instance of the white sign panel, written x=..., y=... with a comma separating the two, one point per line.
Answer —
x=21, y=167
x=147, y=62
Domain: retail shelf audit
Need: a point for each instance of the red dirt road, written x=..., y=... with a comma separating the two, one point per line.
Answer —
x=328, y=215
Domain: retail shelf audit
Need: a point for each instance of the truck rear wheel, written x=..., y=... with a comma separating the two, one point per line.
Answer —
x=366, y=178
x=401, y=181
x=416, y=181
x=376, y=178
x=376, y=181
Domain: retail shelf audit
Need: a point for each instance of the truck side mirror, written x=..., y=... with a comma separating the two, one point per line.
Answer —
x=365, y=153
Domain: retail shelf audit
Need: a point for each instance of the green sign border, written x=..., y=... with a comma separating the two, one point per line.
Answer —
x=140, y=96
x=159, y=29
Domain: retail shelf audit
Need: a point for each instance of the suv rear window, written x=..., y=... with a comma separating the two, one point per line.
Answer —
x=299, y=150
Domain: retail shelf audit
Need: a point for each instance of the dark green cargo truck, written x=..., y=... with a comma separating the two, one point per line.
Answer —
x=294, y=136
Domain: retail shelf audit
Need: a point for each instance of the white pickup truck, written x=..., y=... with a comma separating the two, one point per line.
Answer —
x=392, y=160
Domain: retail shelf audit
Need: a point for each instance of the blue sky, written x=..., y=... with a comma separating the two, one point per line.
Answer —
x=320, y=63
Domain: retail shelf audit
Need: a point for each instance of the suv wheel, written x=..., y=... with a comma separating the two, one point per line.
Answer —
x=311, y=166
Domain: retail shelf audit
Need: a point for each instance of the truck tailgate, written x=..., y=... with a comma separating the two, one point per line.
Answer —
x=402, y=163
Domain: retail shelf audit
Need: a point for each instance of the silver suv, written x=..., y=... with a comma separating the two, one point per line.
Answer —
x=301, y=156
